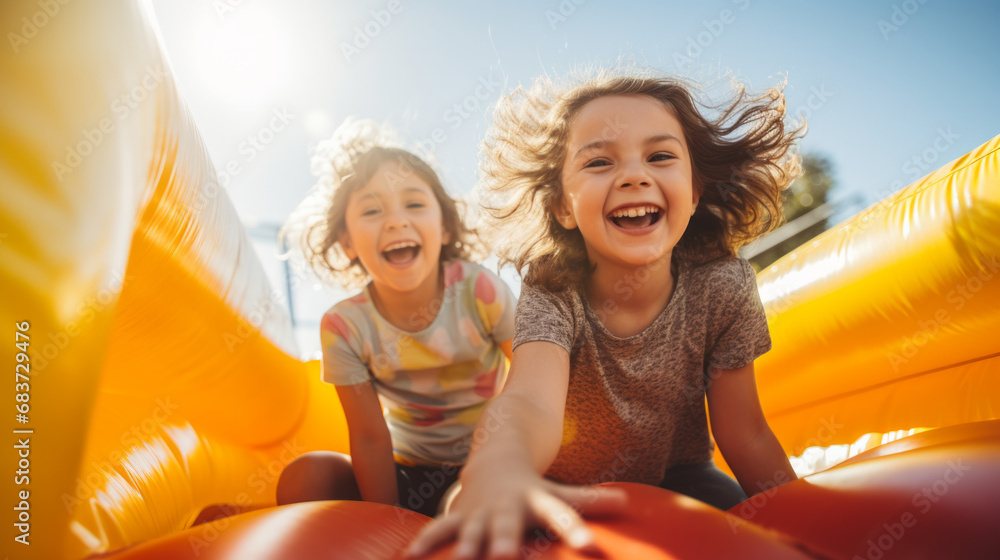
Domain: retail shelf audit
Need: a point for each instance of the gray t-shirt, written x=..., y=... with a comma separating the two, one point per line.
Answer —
x=636, y=405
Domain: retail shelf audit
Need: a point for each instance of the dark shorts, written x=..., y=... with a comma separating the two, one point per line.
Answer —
x=421, y=488
x=705, y=482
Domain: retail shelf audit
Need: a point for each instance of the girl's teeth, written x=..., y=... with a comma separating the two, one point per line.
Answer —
x=634, y=212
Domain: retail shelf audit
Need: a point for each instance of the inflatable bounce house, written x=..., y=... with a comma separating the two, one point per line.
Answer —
x=156, y=394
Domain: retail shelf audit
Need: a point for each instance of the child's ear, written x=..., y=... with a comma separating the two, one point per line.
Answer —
x=345, y=244
x=445, y=236
x=695, y=197
x=564, y=215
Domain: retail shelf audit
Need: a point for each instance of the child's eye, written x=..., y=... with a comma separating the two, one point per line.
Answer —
x=597, y=163
x=370, y=212
x=416, y=205
x=661, y=156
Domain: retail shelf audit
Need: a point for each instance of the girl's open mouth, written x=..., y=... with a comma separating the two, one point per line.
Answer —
x=635, y=218
x=401, y=254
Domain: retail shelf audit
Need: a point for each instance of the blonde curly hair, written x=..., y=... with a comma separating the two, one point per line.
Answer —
x=742, y=159
x=345, y=163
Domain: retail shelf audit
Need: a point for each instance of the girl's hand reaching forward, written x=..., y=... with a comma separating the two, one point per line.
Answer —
x=493, y=509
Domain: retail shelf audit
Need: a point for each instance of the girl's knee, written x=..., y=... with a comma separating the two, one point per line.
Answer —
x=315, y=476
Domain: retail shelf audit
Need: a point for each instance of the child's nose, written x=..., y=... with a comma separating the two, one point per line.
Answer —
x=634, y=174
x=395, y=219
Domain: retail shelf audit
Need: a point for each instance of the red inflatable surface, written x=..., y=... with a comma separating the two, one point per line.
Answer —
x=932, y=495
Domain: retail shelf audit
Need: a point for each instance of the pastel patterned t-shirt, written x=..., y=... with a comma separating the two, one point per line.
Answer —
x=435, y=379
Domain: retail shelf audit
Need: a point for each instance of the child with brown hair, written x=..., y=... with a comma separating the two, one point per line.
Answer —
x=428, y=336
x=623, y=207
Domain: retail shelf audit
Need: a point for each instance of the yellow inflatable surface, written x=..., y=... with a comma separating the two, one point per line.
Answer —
x=161, y=375
x=154, y=372
x=889, y=321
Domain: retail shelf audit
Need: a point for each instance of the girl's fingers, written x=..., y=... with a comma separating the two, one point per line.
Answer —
x=555, y=506
x=561, y=518
x=506, y=532
x=434, y=535
x=470, y=538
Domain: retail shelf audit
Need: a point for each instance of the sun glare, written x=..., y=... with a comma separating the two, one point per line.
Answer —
x=248, y=57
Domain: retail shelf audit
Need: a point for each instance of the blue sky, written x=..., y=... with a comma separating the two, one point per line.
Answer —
x=884, y=95
x=887, y=102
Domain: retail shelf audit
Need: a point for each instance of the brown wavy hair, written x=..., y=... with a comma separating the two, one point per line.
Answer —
x=742, y=158
x=345, y=164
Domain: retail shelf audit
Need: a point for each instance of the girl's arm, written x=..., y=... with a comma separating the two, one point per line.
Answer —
x=518, y=435
x=745, y=440
x=371, y=445
x=528, y=413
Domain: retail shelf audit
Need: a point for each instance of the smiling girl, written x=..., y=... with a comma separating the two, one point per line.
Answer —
x=623, y=207
x=428, y=336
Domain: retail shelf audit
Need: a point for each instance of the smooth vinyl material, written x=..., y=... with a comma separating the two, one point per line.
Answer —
x=338, y=530
x=662, y=525
x=164, y=380
x=931, y=495
x=889, y=321
x=163, y=376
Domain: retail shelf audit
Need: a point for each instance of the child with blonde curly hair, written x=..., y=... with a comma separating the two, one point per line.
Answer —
x=428, y=336
x=623, y=206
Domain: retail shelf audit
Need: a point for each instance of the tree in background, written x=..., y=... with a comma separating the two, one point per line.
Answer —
x=806, y=211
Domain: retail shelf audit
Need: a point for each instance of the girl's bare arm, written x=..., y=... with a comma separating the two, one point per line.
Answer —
x=524, y=422
x=371, y=445
x=745, y=440
x=516, y=439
